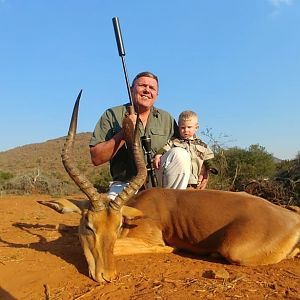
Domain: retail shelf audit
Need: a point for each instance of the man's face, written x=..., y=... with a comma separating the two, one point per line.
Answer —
x=144, y=92
x=188, y=128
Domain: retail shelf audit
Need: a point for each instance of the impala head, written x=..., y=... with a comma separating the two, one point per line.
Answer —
x=102, y=220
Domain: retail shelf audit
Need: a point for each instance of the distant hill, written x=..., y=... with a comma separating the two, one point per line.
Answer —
x=47, y=157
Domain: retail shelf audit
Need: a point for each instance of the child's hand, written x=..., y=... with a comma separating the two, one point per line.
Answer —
x=202, y=179
x=156, y=161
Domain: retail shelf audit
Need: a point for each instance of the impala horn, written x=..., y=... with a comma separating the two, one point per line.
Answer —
x=84, y=184
x=134, y=143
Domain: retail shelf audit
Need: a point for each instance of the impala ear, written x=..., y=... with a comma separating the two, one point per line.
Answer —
x=131, y=213
x=64, y=206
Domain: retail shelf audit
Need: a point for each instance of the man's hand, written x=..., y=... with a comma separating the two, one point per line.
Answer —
x=133, y=118
x=105, y=151
x=203, y=178
x=128, y=126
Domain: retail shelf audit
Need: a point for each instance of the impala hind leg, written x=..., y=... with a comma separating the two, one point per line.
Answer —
x=259, y=249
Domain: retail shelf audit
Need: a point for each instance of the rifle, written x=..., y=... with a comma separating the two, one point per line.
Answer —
x=146, y=141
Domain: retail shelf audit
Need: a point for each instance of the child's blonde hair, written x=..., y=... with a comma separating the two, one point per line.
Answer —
x=187, y=115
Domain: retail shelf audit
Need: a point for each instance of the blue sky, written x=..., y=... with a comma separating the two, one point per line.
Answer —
x=235, y=62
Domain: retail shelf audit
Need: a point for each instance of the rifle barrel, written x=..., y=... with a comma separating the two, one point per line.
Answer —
x=121, y=51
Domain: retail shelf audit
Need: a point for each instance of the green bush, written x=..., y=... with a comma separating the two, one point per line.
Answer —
x=239, y=166
x=5, y=176
x=101, y=181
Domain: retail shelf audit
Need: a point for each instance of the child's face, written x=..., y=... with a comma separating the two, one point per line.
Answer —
x=188, y=128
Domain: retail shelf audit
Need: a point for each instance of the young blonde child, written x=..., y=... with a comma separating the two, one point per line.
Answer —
x=193, y=151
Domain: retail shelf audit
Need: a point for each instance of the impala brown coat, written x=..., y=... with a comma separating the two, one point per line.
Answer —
x=244, y=229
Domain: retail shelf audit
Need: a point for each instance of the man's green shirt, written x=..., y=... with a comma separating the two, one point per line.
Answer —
x=160, y=128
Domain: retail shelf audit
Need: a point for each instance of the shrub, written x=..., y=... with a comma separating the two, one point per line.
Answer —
x=101, y=181
x=5, y=176
x=239, y=166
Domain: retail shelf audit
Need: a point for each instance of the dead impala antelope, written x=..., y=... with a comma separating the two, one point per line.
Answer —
x=244, y=229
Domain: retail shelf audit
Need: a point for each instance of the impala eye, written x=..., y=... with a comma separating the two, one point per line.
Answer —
x=89, y=228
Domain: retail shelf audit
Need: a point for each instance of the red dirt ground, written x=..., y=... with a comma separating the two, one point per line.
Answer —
x=41, y=258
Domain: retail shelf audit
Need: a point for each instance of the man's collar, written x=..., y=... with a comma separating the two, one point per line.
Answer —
x=154, y=111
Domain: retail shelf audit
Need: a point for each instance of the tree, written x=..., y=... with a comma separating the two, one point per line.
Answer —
x=239, y=166
x=249, y=164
